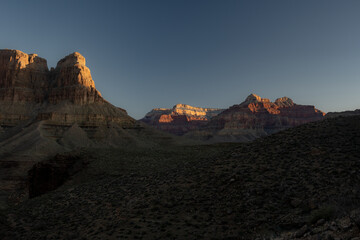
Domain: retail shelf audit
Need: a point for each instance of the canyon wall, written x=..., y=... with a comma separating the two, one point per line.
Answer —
x=45, y=112
x=253, y=118
x=180, y=119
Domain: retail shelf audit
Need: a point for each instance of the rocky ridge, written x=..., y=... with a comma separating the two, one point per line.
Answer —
x=256, y=117
x=180, y=119
x=343, y=114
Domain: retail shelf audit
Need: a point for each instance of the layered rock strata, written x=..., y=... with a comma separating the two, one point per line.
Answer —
x=71, y=80
x=180, y=119
x=256, y=117
x=28, y=90
x=253, y=118
x=44, y=112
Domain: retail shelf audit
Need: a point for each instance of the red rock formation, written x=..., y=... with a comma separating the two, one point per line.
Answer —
x=260, y=116
x=252, y=118
x=180, y=119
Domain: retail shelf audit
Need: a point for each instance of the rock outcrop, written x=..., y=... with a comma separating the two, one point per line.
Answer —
x=253, y=118
x=23, y=77
x=66, y=94
x=180, y=119
x=71, y=80
x=256, y=117
x=45, y=112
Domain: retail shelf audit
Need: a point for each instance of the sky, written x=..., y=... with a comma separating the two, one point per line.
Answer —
x=149, y=54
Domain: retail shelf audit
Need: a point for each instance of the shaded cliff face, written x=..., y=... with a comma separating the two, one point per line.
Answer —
x=180, y=119
x=256, y=117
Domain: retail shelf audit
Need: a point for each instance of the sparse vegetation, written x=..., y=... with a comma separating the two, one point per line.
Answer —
x=296, y=179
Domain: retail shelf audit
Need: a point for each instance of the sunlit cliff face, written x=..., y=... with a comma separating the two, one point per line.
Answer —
x=28, y=89
x=256, y=104
x=72, y=70
x=181, y=118
x=190, y=113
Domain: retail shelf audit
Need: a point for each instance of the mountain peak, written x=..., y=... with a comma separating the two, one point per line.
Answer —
x=284, y=102
x=180, y=105
x=72, y=59
x=72, y=71
x=253, y=98
x=15, y=59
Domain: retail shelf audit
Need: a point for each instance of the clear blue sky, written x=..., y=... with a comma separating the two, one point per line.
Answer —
x=147, y=54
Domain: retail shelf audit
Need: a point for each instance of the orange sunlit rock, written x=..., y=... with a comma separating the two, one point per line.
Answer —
x=180, y=119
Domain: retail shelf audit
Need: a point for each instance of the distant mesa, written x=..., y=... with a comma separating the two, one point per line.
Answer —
x=180, y=119
x=253, y=118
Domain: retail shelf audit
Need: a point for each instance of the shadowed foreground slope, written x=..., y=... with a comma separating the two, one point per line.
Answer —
x=303, y=182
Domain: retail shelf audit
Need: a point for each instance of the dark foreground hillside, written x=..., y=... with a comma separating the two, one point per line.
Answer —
x=300, y=183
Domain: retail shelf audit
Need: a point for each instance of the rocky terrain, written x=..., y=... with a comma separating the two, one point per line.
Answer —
x=256, y=117
x=300, y=183
x=45, y=112
x=73, y=166
x=180, y=119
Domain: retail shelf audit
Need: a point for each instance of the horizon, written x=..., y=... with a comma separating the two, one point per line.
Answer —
x=144, y=55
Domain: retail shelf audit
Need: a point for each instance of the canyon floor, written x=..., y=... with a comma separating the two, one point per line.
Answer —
x=301, y=183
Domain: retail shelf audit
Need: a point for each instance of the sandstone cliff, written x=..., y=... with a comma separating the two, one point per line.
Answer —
x=66, y=94
x=23, y=77
x=180, y=119
x=44, y=112
x=71, y=80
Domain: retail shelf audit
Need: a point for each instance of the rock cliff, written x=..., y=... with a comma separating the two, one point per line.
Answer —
x=45, y=112
x=253, y=118
x=256, y=117
x=28, y=90
x=23, y=77
x=71, y=80
x=180, y=119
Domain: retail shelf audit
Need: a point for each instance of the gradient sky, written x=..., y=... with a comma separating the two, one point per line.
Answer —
x=147, y=54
